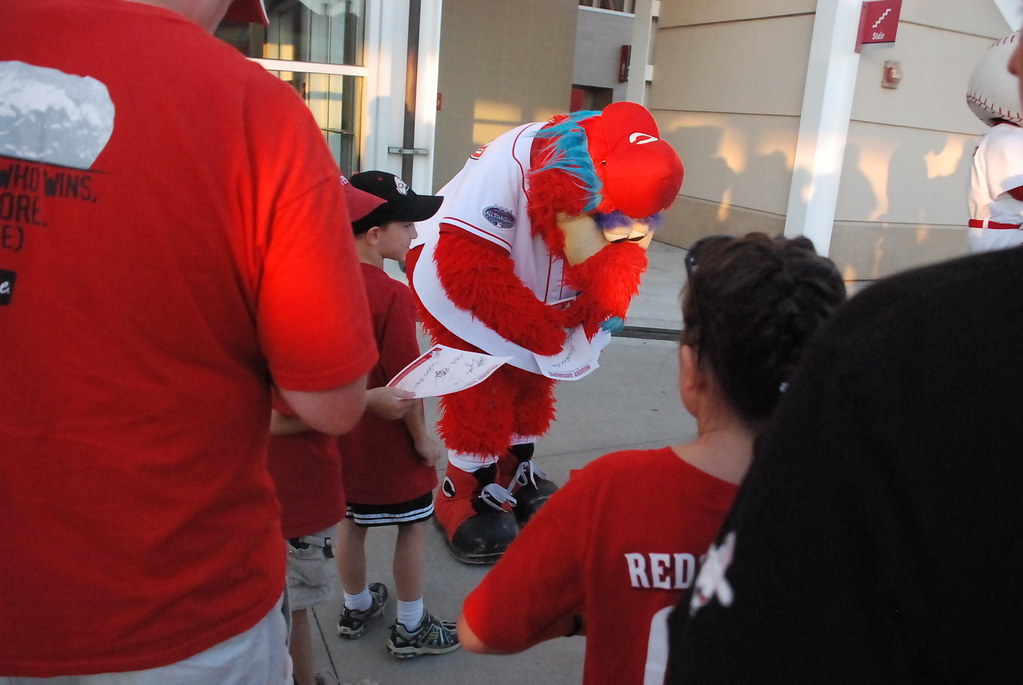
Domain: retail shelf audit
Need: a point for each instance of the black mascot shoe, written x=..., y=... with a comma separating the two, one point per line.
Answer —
x=531, y=489
x=483, y=538
x=476, y=515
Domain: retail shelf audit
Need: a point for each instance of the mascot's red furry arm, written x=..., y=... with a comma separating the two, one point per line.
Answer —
x=535, y=255
x=480, y=279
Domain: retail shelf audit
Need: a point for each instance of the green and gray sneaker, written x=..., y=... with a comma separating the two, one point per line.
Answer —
x=431, y=637
x=352, y=623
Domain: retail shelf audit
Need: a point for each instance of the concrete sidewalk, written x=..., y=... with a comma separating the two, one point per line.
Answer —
x=631, y=401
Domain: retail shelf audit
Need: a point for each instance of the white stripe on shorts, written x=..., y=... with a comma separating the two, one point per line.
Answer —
x=389, y=518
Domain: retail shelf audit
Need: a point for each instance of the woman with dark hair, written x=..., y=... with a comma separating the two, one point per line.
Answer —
x=614, y=549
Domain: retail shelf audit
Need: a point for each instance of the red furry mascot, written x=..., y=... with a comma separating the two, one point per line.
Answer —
x=535, y=255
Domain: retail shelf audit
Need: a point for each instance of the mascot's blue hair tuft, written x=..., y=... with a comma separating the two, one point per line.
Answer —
x=569, y=153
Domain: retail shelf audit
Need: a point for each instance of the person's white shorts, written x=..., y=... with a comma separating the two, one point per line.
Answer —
x=259, y=656
x=312, y=570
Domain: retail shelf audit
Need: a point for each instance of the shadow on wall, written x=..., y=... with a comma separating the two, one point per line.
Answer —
x=897, y=208
x=857, y=188
x=907, y=170
x=708, y=177
x=733, y=184
x=924, y=209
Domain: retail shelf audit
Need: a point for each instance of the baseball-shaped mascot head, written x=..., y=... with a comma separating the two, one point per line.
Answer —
x=993, y=93
x=601, y=178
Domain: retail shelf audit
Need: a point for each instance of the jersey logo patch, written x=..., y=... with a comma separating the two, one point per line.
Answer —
x=499, y=216
x=711, y=581
x=479, y=152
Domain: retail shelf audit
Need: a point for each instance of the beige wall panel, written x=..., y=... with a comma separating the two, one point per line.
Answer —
x=688, y=12
x=936, y=67
x=750, y=67
x=689, y=219
x=599, y=38
x=903, y=175
x=863, y=252
x=866, y=252
x=734, y=160
x=499, y=67
x=980, y=17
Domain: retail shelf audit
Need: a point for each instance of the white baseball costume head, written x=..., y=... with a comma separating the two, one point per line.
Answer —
x=993, y=93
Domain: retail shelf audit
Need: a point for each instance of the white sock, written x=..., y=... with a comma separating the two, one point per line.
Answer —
x=410, y=613
x=359, y=602
x=470, y=463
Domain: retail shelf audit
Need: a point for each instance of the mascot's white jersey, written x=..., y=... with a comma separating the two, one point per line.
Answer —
x=997, y=168
x=487, y=199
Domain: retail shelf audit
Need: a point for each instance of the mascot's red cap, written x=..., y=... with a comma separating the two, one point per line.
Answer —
x=641, y=173
x=251, y=11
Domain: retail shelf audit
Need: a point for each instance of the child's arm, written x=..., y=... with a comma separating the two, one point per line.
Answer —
x=389, y=403
x=392, y=403
x=428, y=447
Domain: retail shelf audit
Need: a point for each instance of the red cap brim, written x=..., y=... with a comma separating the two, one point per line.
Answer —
x=360, y=203
x=251, y=11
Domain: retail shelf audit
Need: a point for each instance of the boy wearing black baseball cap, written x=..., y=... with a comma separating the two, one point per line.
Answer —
x=401, y=204
x=390, y=456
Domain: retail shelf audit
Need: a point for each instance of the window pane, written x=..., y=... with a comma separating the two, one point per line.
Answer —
x=613, y=5
x=327, y=31
x=335, y=103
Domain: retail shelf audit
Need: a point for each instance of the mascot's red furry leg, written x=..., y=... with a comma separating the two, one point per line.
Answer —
x=491, y=486
x=479, y=424
x=534, y=411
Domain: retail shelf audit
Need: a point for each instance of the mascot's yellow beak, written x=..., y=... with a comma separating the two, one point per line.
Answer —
x=583, y=238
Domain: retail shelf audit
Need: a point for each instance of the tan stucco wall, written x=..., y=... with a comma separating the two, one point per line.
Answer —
x=501, y=64
x=598, y=39
x=727, y=93
x=906, y=171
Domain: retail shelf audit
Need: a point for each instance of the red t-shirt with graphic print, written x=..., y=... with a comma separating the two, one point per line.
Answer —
x=181, y=243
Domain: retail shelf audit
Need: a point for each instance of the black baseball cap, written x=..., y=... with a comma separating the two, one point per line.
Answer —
x=402, y=203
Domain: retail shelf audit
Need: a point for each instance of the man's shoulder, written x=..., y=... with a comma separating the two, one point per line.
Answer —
x=943, y=290
x=922, y=326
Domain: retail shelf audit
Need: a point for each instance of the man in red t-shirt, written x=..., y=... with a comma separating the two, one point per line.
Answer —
x=170, y=257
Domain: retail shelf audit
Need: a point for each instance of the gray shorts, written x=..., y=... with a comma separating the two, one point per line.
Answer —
x=312, y=569
x=259, y=656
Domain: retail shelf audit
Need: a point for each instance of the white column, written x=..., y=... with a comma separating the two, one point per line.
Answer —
x=387, y=24
x=1012, y=11
x=824, y=122
x=426, y=93
x=642, y=39
x=384, y=86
